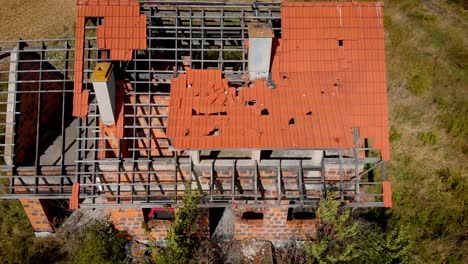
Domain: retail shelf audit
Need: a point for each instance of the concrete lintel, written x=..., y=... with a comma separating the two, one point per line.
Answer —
x=195, y=156
x=256, y=155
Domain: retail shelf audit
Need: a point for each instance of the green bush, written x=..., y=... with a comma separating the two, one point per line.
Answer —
x=386, y=247
x=337, y=236
x=342, y=238
x=428, y=138
x=182, y=237
x=100, y=243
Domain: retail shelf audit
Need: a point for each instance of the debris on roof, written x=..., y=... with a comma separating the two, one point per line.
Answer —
x=330, y=76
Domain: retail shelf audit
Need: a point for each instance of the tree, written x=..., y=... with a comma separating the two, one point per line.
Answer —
x=337, y=236
x=182, y=240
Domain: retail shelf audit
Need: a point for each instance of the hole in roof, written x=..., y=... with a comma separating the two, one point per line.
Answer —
x=337, y=83
x=340, y=42
x=265, y=112
x=285, y=77
x=215, y=132
x=194, y=112
x=251, y=102
x=309, y=113
x=219, y=113
x=291, y=121
x=322, y=92
x=187, y=132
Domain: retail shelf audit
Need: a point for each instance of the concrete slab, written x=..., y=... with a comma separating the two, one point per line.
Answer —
x=52, y=156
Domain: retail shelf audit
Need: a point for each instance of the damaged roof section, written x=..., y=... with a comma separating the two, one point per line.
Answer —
x=329, y=73
x=123, y=30
x=205, y=113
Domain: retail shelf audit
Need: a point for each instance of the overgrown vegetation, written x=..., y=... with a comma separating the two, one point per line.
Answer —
x=182, y=239
x=427, y=62
x=96, y=243
x=344, y=238
x=337, y=234
x=100, y=243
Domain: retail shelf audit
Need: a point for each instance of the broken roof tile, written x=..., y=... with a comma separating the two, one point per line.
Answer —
x=329, y=68
x=123, y=31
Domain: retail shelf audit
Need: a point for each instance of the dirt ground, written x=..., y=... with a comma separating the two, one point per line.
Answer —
x=33, y=19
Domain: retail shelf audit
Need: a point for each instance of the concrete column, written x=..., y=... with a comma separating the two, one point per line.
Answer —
x=256, y=154
x=11, y=107
x=260, y=45
x=195, y=156
x=104, y=88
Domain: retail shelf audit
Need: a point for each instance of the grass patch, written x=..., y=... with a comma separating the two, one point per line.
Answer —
x=394, y=134
x=427, y=72
x=420, y=80
x=456, y=122
x=428, y=138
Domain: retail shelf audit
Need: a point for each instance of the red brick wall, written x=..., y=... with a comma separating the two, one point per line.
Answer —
x=159, y=229
x=274, y=225
x=37, y=215
x=130, y=220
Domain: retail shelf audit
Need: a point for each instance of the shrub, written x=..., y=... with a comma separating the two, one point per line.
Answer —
x=101, y=243
x=182, y=240
x=291, y=253
x=427, y=138
x=392, y=246
x=336, y=234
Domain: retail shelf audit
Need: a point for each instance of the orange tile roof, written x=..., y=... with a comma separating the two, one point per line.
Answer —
x=123, y=31
x=387, y=194
x=330, y=76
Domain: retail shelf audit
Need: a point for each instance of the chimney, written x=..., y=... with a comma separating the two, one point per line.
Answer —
x=104, y=87
x=260, y=43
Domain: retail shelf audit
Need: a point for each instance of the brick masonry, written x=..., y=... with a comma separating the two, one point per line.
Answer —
x=274, y=226
x=37, y=215
x=129, y=220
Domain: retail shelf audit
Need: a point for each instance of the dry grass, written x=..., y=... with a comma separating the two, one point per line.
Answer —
x=32, y=19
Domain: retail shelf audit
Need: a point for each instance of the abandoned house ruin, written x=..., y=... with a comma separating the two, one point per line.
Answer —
x=261, y=107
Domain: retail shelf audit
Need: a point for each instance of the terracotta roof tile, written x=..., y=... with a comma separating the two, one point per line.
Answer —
x=123, y=31
x=329, y=68
x=387, y=194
